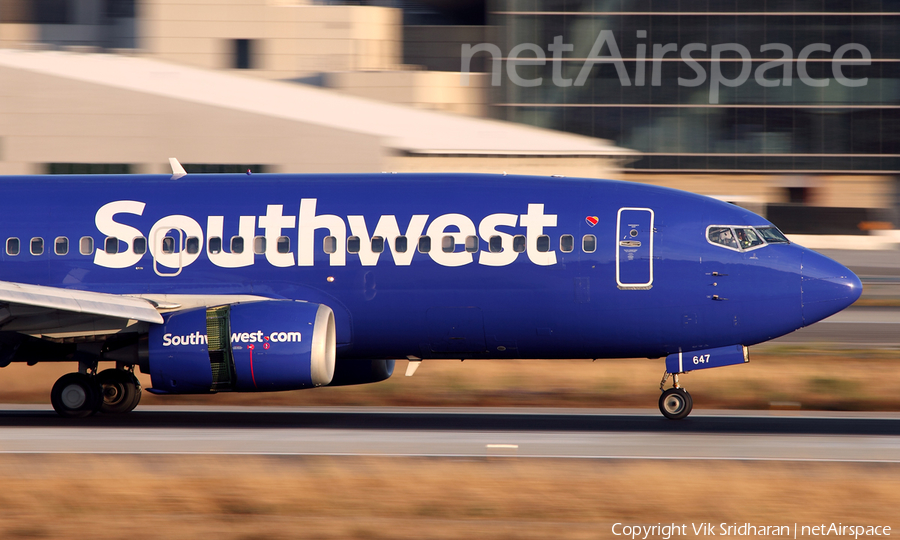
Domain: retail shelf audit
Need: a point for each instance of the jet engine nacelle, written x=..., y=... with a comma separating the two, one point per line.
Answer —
x=253, y=347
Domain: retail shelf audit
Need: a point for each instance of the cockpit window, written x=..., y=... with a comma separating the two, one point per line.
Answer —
x=723, y=236
x=748, y=238
x=772, y=235
x=743, y=238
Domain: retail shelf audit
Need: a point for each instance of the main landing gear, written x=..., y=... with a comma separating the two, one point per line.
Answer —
x=675, y=403
x=112, y=391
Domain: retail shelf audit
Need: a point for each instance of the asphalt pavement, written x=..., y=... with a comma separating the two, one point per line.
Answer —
x=469, y=433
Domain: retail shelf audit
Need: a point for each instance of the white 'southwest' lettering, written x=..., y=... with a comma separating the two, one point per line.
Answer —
x=306, y=235
x=273, y=223
x=260, y=337
x=488, y=228
x=438, y=230
x=184, y=227
x=388, y=229
x=125, y=233
x=276, y=224
x=534, y=222
x=228, y=259
x=198, y=338
x=191, y=339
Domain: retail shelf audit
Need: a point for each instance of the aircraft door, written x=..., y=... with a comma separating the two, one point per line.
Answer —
x=634, y=248
x=175, y=242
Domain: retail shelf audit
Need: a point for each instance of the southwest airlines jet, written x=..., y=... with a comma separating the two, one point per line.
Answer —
x=237, y=283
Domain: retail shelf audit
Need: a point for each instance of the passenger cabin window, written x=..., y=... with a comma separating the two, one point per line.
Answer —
x=284, y=244
x=329, y=244
x=192, y=245
x=518, y=243
x=37, y=246
x=214, y=245
x=237, y=244
x=86, y=245
x=589, y=243
x=424, y=244
x=472, y=244
x=12, y=246
x=543, y=243
x=353, y=244
x=111, y=245
x=567, y=243
x=723, y=236
x=168, y=245
x=401, y=244
x=377, y=244
x=448, y=244
x=495, y=244
x=61, y=245
x=139, y=245
x=772, y=235
x=259, y=245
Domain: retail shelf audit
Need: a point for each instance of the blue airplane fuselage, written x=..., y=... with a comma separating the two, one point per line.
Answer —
x=649, y=284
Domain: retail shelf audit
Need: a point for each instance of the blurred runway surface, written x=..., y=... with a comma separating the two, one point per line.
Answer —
x=460, y=433
x=855, y=327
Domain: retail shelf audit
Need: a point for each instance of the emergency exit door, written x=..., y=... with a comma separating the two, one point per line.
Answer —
x=634, y=248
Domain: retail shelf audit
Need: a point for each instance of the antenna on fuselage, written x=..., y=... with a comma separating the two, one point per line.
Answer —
x=177, y=170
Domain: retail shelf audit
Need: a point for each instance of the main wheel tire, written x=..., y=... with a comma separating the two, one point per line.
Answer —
x=137, y=394
x=75, y=395
x=675, y=403
x=120, y=391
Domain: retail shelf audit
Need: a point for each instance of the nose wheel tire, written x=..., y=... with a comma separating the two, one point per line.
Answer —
x=75, y=395
x=121, y=391
x=675, y=403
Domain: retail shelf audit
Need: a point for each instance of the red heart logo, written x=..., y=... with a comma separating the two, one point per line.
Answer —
x=592, y=220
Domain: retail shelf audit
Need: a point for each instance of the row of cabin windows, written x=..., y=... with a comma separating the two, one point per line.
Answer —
x=60, y=246
x=448, y=244
x=139, y=245
x=401, y=244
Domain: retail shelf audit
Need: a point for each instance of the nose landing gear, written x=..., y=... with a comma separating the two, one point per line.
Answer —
x=674, y=403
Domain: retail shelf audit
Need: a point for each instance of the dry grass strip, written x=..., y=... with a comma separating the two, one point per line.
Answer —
x=244, y=498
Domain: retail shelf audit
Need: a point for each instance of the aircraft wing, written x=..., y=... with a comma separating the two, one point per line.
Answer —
x=36, y=309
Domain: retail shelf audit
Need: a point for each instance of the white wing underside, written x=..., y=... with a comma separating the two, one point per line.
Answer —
x=53, y=312
x=92, y=303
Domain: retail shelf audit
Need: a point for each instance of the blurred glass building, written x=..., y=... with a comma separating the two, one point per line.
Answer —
x=783, y=106
x=826, y=109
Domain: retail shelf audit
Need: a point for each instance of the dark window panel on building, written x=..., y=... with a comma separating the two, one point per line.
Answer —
x=16, y=11
x=748, y=127
x=87, y=168
x=117, y=9
x=219, y=168
x=51, y=12
x=243, y=54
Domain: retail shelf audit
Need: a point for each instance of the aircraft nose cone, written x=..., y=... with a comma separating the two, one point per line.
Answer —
x=826, y=287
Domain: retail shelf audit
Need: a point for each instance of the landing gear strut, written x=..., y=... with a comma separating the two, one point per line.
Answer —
x=674, y=403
